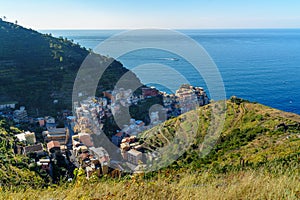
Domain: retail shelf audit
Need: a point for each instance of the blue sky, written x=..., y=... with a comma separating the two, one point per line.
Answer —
x=131, y=14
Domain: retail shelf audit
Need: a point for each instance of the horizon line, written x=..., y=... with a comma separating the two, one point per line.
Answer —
x=217, y=28
x=179, y=29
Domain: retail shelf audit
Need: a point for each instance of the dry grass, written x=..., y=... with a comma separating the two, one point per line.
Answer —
x=239, y=185
x=262, y=109
x=279, y=181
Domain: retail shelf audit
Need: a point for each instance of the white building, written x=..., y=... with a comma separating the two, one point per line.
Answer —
x=27, y=136
x=6, y=105
x=134, y=156
x=20, y=115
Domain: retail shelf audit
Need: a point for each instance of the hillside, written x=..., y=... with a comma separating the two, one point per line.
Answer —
x=253, y=135
x=36, y=69
x=14, y=169
x=257, y=156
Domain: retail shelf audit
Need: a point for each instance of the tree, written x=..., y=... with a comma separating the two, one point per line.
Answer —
x=4, y=17
x=16, y=22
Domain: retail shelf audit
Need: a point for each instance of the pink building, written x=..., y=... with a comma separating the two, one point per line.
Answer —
x=149, y=92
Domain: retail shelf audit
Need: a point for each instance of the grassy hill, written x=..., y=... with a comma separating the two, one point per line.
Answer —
x=14, y=169
x=257, y=156
x=36, y=69
x=253, y=135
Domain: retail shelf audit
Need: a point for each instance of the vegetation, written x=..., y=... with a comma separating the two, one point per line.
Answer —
x=254, y=158
x=15, y=169
x=21, y=171
x=239, y=185
x=141, y=110
x=251, y=137
x=257, y=155
x=36, y=69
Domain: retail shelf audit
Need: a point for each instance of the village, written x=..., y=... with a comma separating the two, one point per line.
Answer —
x=58, y=150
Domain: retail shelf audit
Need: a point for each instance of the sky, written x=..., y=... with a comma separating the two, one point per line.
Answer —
x=135, y=14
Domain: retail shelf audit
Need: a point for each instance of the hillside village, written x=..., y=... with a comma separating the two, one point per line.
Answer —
x=71, y=154
x=69, y=141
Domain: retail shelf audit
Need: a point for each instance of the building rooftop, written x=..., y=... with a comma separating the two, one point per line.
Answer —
x=33, y=148
x=119, y=134
x=134, y=152
x=99, y=151
x=53, y=144
x=21, y=137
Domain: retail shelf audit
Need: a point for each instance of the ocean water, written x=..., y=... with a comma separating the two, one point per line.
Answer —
x=255, y=64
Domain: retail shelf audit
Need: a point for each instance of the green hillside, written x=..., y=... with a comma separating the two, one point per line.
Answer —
x=253, y=135
x=14, y=169
x=257, y=156
x=36, y=69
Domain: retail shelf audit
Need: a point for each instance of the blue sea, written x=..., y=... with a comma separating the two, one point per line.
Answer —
x=261, y=65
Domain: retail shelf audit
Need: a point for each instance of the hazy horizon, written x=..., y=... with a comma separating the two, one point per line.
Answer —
x=133, y=14
x=180, y=29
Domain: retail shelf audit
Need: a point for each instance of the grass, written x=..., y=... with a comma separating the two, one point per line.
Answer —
x=251, y=160
x=249, y=184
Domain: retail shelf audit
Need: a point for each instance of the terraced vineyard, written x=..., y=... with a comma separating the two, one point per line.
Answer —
x=253, y=135
x=257, y=156
x=36, y=69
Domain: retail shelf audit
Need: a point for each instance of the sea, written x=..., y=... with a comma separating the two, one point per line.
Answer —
x=260, y=65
